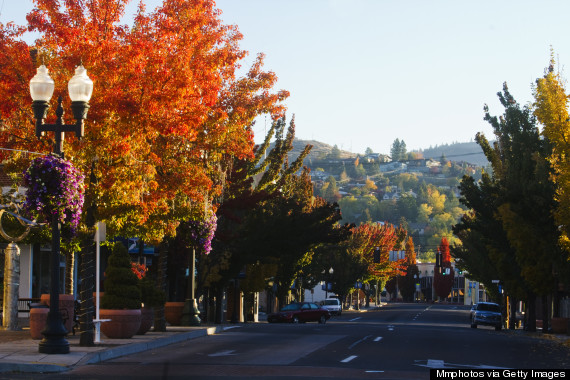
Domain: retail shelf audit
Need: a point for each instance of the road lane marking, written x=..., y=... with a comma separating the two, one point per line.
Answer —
x=390, y=328
x=354, y=319
x=361, y=340
x=431, y=363
x=349, y=359
x=378, y=339
x=223, y=353
x=374, y=371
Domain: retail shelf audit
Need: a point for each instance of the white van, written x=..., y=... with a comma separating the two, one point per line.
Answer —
x=333, y=305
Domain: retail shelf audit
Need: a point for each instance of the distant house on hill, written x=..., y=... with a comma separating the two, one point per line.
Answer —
x=376, y=157
x=393, y=167
x=388, y=196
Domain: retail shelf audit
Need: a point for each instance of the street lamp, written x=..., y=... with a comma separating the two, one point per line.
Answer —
x=80, y=88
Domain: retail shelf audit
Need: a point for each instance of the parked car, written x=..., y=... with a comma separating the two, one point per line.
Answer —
x=486, y=313
x=299, y=313
x=333, y=305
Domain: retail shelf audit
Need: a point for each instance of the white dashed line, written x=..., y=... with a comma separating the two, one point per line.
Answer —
x=349, y=359
x=361, y=340
x=378, y=339
x=354, y=319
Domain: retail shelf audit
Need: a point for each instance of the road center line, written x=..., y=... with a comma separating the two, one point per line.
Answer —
x=358, y=341
x=349, y=359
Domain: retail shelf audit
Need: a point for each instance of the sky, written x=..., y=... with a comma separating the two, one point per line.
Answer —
x=363, y=73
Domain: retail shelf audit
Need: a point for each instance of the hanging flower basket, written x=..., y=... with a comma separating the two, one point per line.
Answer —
x=202, y=232
x=55, y=187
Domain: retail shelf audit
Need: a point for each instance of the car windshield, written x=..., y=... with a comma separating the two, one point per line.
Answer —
x=331, y=302
x=488, y=307
x=291, y=307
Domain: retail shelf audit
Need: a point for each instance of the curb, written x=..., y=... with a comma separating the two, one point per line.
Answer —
x=128, y=349
x=113, y=353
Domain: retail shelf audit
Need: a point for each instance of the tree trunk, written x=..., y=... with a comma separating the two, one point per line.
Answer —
x=531, y=314
x=545, y=318
x=87, y=273
x=69, y=271
x=159, y=320
x=11, y=287
x=219, y=305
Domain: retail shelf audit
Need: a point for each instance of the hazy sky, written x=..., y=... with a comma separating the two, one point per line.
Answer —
x=364, y=72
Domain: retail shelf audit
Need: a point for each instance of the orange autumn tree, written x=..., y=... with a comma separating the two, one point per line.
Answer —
x=364, y=241
x=167, y=107
x=166, y=113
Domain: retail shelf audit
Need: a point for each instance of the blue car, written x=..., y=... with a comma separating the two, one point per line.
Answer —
x=487, y=314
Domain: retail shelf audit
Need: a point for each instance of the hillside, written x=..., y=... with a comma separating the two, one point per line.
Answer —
x=319, y=151
x=469, y=152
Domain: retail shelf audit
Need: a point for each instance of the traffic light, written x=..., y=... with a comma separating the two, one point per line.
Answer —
x=377, y=255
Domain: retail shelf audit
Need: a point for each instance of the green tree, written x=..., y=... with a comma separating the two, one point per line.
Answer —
x=407, y=207
x=523, y=240
x=335, y=153
x=360, y=172
x=330, y=189
x=398, y=150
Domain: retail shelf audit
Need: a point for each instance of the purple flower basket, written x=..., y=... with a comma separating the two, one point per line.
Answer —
x=55, y=187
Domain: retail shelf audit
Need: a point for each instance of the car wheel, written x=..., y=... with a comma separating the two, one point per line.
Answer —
x=473, y=325
x=295, y=319
x=323, y=320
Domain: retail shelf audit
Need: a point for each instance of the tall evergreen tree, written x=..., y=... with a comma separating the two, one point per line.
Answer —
x=513, y=207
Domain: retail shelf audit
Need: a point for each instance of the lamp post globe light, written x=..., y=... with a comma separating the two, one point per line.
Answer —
x=80, y=88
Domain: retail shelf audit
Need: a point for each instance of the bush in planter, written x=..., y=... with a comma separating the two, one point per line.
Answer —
x=121, y=284
x=121, y=302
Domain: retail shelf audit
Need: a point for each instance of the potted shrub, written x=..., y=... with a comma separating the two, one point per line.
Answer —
x=151, y=297
x=121, y=302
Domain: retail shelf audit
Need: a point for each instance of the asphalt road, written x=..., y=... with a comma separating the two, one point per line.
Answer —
x=400, y=341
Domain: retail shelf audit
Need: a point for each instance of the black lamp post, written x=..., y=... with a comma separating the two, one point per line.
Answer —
x=41, y=89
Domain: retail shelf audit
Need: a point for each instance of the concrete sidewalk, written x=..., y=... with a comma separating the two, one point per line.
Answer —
x=20, y=354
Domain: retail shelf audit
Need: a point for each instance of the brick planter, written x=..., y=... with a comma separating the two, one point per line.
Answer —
x=560, y=325
x=38, y=321
x=173, y=312
x=66, y=308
